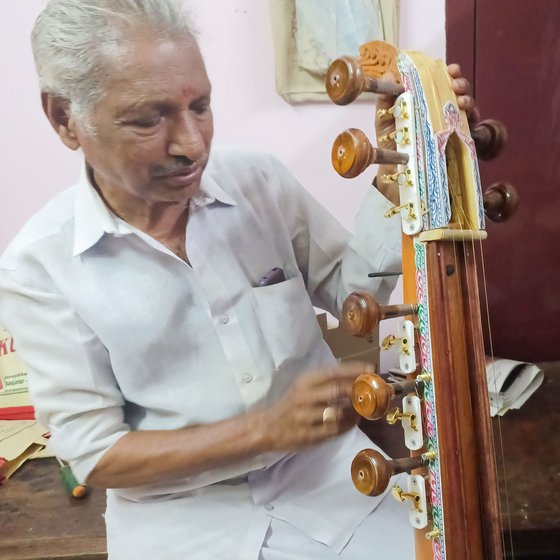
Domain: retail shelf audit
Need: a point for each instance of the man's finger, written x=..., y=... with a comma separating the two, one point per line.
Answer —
x=461, y=86
x=454, y=70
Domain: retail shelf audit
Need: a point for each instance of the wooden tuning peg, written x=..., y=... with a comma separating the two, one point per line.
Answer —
x=500, y=201
x=361, y=313
x=372, y=395
x=346, y=80
x=352, y=153
x=371, y=471
x=490, y=136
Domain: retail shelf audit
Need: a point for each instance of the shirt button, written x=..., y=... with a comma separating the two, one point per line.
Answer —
x=224, y=319
x=247, y=378
x=269, y=507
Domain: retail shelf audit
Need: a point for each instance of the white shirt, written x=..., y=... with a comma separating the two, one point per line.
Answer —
x=119, y=334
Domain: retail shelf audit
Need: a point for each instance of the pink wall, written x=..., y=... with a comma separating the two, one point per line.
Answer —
x=34, y=164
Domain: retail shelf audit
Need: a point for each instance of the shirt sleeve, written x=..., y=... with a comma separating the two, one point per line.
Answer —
x=333, y=262
x=71, y=383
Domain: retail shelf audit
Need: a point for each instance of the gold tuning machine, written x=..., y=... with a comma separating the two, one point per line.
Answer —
x=434, y=534
x=395, y=415
x=424, y=378
x=401, y=136
x=408, y=208
x=403, y=178
x=401, y=496
x=429, y=455
x=390, y=340
x=410, y=421
x=399, y=110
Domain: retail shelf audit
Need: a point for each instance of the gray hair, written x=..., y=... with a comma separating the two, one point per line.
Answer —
x=72, y=40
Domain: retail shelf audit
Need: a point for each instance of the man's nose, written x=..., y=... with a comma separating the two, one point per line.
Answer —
x=187, y=139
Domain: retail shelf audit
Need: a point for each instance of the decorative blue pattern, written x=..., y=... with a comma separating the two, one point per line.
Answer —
x=439, y=206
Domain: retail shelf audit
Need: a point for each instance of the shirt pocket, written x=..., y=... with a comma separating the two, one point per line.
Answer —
x=287, y=319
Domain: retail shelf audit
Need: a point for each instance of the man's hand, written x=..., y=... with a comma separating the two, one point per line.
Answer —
x=316, y=407
x=462, y=89
x=385, y=125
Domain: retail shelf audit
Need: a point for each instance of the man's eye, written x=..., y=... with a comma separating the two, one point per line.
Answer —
x=147, y=123
x=200, y=109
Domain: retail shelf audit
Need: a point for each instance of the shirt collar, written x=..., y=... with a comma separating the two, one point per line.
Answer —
x=210, y=191
x=93, y=218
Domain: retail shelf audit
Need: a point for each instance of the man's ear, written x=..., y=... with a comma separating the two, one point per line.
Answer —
x=57, y=111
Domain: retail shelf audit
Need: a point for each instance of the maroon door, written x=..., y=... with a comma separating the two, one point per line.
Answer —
x=510, y=50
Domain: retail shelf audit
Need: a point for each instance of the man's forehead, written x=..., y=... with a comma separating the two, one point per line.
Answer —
x=155, y=71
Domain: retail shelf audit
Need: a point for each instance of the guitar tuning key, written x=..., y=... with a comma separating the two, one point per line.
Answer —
x=406, y=210
x=401, y=496
x=403, y=178
x=417, y=498
x=411, y=421
x=398, y=110
x=390, y=340
x=395, y=415
x=434, y=534
x=401, y=136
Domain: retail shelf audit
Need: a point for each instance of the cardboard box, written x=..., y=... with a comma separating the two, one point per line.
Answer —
x=346, y=347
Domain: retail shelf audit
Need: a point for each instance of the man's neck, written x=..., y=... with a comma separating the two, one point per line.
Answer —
x=164, y=221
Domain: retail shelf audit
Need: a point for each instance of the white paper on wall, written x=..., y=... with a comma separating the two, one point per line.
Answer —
x=327, y=29
x=309, y=34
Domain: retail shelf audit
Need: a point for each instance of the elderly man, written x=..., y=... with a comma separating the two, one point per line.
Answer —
x=205, y=402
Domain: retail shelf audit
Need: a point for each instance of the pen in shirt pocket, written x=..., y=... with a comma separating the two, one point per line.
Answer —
x=273, y=276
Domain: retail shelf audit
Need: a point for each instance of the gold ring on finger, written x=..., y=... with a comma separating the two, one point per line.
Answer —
x=329, y=415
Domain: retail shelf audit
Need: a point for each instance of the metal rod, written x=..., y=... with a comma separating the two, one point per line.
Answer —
x=380, y=274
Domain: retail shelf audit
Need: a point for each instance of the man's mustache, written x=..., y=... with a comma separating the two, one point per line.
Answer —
x=180, y=163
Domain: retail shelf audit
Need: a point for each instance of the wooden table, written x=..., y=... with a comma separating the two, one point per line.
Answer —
x=39, y=521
